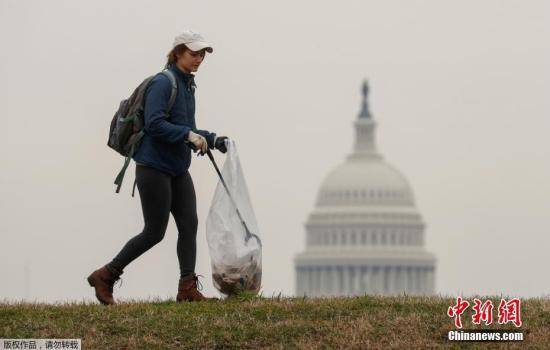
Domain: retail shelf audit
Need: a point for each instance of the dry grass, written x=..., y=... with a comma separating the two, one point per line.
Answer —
x=402, y=322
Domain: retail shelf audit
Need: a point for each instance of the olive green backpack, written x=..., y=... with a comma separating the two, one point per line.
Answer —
x=127, y=125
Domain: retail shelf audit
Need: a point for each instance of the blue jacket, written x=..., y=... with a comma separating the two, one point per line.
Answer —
x=162, y=146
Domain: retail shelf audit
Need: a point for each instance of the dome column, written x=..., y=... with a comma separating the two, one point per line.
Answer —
x=309, y=280
x=334, y=283
x=356, y=279
x=346, y=280
x=322, y=280
x=399, y=279
x=409, y=287
x=362, y=280
x=419, y=281
x=368, y=279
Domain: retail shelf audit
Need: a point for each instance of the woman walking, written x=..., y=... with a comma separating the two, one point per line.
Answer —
x=162, y=177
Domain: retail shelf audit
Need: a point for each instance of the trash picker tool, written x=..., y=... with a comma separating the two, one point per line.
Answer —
x=248, y=233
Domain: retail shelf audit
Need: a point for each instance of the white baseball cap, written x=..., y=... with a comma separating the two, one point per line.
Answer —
x=194, y=41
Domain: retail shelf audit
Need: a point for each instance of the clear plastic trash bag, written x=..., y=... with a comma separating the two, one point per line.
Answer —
x=235, y=247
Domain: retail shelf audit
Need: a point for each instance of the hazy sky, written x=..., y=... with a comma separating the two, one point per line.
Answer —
x=459, y=90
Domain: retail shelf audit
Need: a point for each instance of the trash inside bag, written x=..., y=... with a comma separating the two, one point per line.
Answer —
x=232, y=231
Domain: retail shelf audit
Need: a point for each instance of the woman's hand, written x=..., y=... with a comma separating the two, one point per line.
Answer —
x=199, y=141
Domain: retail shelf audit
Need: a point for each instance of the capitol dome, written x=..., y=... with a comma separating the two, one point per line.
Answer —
x=365, y=182
x=365, y=234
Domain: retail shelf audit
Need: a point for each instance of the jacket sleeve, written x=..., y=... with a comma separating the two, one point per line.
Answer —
x=209, y=136
x=154, y=113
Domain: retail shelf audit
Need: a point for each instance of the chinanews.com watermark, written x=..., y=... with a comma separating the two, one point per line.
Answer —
x=508, y=312
x=484, y=335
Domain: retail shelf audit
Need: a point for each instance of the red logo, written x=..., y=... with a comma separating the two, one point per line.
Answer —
x=457, y=310
x=483, y=312
x=508, y=311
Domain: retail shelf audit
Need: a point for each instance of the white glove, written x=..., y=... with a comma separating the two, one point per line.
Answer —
x=199, y=141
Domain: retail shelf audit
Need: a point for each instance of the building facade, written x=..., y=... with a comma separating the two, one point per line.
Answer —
x=365, y=234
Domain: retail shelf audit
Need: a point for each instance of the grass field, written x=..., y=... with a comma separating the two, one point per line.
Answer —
x=402, y=322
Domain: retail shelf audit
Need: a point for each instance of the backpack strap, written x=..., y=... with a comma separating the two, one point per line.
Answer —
x=173, y=94
x=120, y=176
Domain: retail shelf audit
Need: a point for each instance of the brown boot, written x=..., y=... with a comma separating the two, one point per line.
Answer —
x=103, y=281
x=187, y=289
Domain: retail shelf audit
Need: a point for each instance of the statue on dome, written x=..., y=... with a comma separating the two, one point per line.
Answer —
x=365, y=113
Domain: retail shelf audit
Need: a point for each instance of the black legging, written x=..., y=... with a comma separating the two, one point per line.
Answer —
x=162, y=194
